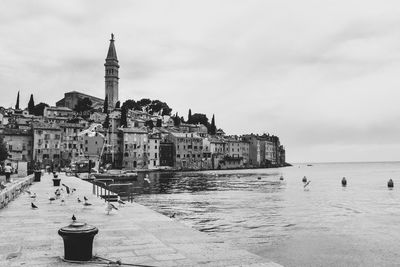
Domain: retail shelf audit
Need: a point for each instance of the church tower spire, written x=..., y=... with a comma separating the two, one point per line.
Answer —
x=111, y=77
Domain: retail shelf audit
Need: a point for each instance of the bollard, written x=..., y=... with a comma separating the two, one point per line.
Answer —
x=56, y=181
x=78, y=241
x=37, y=174
x=390, y=183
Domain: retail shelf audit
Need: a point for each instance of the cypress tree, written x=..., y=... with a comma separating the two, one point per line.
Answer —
x=124, y=122
x=106, y=123
x=118, y=104
x=3, y=150
x=105, y=107
x=213, y=128
x=17, y=104
x=189, y=116
x=31, y=105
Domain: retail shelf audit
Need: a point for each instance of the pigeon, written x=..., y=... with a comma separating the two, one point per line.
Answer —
x=13, y=255
x=120, y=202
x=66, y=188
x=87, y=204
x=85, y=198
x=79, y=200
x=173, y=215
x=51, y=199
x=57, y=193
x=109, y=207
x=73, y=190
x=33, y=206
x=73, y=217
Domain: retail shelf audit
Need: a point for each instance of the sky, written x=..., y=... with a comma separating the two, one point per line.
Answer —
x=321, y=75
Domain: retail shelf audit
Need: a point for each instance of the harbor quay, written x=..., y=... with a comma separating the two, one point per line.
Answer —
x=133, y=235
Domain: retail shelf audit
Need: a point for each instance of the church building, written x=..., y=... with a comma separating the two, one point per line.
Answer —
x=71, y=99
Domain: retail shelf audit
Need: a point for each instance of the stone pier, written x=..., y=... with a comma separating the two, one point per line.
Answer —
x=133, y=234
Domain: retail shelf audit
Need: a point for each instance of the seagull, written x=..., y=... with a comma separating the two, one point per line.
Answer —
x=66, y=188
x=120, y=202
x=13, y=255
x=33, y=206
x=109, y=207
x=73, y=217
x=57, y=193
x=85, y=198
x=51, y=199
x=87, y=204
x=173, y=215
x=79, y=200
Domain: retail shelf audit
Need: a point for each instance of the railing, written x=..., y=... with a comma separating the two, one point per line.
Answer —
x=104, y=188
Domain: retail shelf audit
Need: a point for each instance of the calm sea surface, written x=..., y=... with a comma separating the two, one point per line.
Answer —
x=324, y=225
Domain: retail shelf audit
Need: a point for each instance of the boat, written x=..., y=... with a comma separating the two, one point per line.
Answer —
x=116, y=175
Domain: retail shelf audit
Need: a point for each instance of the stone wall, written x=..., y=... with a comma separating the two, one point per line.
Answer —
x=14, y=189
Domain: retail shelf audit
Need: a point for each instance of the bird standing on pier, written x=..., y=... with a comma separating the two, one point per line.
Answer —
x=67, y=189
x=86, y=203
x=120, y=202
x=110, y=207
x=51, y=199
x=85, y=198
x=33, y=206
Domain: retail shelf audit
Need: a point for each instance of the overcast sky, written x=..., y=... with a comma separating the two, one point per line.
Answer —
x=322, y=75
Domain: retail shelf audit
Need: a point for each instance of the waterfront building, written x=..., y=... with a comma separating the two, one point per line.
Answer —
x=19, y=143
x=46, y=144
x=111, y=74
x=134, y=148
x=167, y=154
x=254, y=149
x=71, y=143
x=153, y=154
x=188, y=147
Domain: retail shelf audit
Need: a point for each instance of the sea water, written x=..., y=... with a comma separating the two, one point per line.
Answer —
x=323, y=224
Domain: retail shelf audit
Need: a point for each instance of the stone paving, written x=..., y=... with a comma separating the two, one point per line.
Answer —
x=134, y=234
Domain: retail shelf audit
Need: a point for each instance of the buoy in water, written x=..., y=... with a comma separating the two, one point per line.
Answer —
x=390, y=183
x=344, y=181
x=304, y=179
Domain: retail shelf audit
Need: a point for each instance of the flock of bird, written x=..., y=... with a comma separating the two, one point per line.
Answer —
x=66, y=192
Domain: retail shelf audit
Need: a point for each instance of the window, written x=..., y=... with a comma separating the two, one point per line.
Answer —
x=155, y=147
x=86, y=149
x=155, y=155
x=178, y=156
x=86, y=142
x=155, y=162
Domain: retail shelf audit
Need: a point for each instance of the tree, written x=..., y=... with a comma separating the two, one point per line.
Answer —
x=105, y=106
x=199, y=118
x=130, y=104
x=106, y=123
x=149, y=124
x=39, y=109
x=213, y=128
x=189, y=120
x=144, y=102
x=118, y=104
x=159, y=123
x=124, y=121
x=17, y=104
x=31, y=105
x=177, y=120
x=84, y=104
x=3, y=150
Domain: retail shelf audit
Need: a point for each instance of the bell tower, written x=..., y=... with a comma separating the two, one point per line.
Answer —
x=111, y=74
